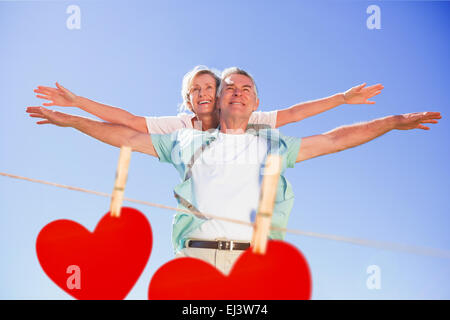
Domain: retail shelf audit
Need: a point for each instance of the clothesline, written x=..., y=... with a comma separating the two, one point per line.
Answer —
x=362, y=242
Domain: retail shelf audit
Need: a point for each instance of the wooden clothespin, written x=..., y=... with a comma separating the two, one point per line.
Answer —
x=121, y=180
x=263, y=219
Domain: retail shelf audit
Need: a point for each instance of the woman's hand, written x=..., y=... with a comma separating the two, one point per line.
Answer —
x=58, y=96
x=361, y=95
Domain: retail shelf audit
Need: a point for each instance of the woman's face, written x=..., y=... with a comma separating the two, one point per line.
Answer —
x=202, y=94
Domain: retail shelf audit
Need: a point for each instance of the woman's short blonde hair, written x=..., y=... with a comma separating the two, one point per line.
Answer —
x=187, y=82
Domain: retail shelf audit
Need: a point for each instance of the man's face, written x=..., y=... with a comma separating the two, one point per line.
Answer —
x=237, y=97
x=202, y=94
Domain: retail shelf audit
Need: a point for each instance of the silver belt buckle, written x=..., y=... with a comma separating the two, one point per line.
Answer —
x=223, y=245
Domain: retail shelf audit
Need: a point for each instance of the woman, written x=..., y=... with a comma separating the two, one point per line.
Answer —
x=199, y=88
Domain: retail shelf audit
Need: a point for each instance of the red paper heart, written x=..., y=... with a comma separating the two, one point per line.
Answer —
x=280, y=274
x=105, y=263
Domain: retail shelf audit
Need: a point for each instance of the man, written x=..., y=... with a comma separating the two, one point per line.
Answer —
x=221, y=169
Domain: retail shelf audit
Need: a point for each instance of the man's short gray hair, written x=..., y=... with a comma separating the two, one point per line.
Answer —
x=235, y=70
x=187, y=82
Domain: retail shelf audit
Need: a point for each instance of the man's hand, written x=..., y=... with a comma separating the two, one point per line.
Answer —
x=350, y=136
x=58, y=96
x=361, y=95
x=53, y=117
x=409, y=121
x=111, y=133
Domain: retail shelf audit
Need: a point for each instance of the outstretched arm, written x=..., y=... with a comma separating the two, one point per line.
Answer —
x=355, y=95
x=62, y=97
x=114, y=134
x=350, y=136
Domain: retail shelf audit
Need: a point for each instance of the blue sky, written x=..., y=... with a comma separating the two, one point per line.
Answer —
x=133, y=54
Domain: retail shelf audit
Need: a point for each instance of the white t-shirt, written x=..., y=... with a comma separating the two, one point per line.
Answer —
x=164, y=125
x=228, y=172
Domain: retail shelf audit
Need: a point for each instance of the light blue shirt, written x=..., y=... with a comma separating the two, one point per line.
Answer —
x=177, y=149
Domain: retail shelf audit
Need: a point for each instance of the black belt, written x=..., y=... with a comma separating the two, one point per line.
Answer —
x=219, y=244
